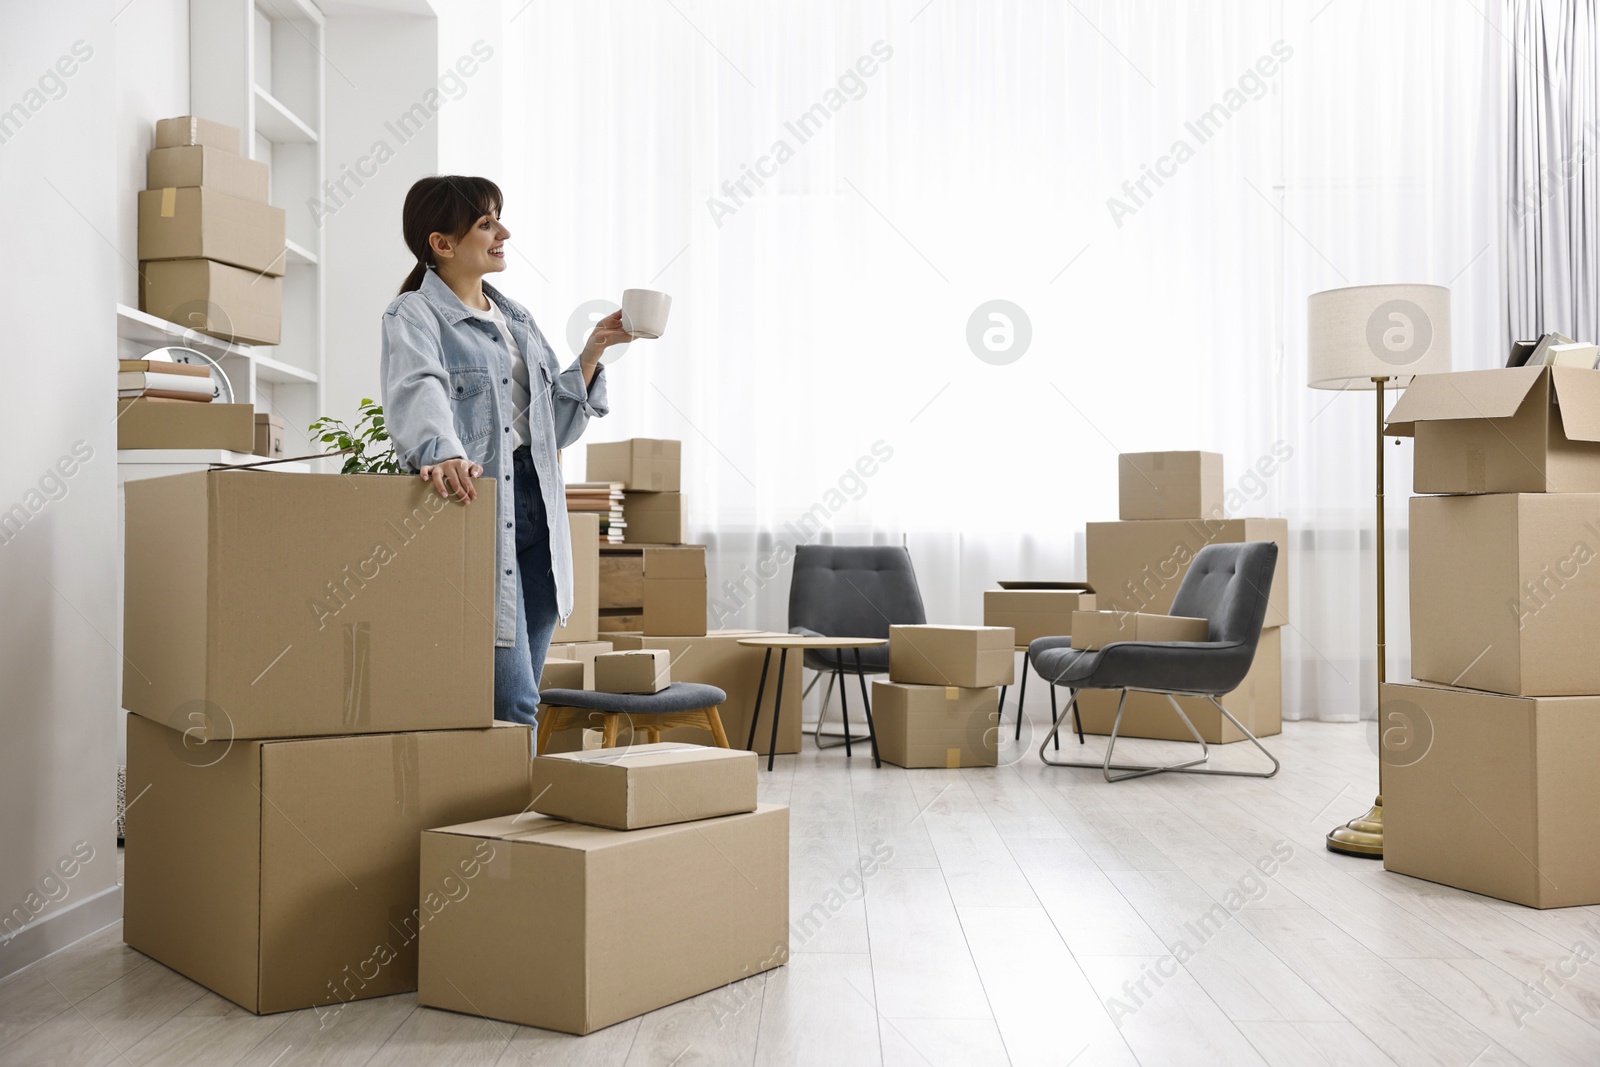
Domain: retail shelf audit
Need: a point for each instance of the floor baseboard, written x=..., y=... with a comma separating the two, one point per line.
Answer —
x=54, y=932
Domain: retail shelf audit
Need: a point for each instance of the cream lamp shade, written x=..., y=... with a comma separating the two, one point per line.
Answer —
x=1376, y=331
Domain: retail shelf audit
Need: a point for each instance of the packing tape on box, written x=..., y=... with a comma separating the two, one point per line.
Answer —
x=169, y=202
x=407, y=767
x=357, y=674
x=952, y=758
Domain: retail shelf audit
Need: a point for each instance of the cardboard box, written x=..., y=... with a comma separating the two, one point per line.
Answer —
x=192, y=130
x=214, y=168
x=640, y=670
x=145, y=422
x=718, y=659
x=283, y=874
x=583, y=652
x=1138, y=565
x=269, y=435
x=936, y=725
x=201, y=223
x=1507, y=430
x=638, y=463
x=1096, y=629
x=970, y=657
x=574, y=928
x=645, y=785
x=675, y=591
x=214, y=298
x=1505, y=592
x=1493, y=794
x=654, y=518
x=260, y=604
x=1035, y=613
x=1258, y=703
x=584, y=622
x=1169, y=485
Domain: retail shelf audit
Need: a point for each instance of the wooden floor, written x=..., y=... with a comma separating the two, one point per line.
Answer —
x=1023, y=915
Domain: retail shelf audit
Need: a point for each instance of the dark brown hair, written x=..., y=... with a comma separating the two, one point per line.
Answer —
x=444, y=203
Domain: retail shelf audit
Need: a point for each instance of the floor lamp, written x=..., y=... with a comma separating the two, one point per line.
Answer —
x=1369, y=337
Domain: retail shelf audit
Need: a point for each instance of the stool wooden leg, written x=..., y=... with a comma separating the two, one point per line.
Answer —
x=613, y=725
x=653, y=734
x=546, y=728
x=715, y=722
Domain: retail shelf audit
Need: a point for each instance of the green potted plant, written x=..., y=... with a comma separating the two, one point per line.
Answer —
x=367, y=447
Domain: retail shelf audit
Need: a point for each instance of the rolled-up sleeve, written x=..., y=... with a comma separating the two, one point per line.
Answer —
x=416, y=393
x=572, y=402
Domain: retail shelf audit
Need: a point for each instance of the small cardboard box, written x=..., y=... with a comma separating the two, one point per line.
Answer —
x=546, y=937
x=654, y=518
x=1138, y=565
x=970, y=657
x=192, y=130
x=214, y=168
x=1507, y=430
x=1169, y=485
x=564, y=674
x=1036, y=613
x=584, y=653
x=1096, y=629
x=1493, y=794
x=263, y=604
x=645, y=670
x=675, y=591
x=936, y=725
x=1505, y=592
x=645, y=785
x=718, y=659
x=269, y=435
x=584, y=622
x=1257, y=703
x=638, y=463
x=214, y=298
x=201, y=223
x=146, y=422
x=283, y=874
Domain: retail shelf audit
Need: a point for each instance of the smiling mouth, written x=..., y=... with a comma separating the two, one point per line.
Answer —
x=498, y=251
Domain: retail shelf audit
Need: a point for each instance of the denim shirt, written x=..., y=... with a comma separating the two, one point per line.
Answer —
x=447, y=394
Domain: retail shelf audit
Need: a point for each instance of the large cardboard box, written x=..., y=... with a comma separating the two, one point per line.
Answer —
x=718, y=659
x=260, y=604
x=1169, y=485
x=1258, y=703
x=584, y=622
x=1505, y=592
x=584, y=652
x=193, y=130
x=283, y=874
x=1096, y=629
x=1035, y=613
x=1138, y=565
x=574, y=928
x=654, y=518
x=215, y=168
x=637, y=670
x=654, y=466
x=675, y=591
x=936, y=725
x=201, y=223
x=1508, y=430
x=645, y=785
x=971, y=657
x=214, y=298
x=147, y=422
x=1493, y=794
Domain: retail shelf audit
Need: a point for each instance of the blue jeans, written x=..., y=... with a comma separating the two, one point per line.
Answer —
x=517, y=669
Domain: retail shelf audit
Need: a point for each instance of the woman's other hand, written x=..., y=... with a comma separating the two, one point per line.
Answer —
x=453, y=476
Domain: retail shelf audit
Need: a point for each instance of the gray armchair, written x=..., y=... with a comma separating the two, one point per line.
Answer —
x=1225, y=584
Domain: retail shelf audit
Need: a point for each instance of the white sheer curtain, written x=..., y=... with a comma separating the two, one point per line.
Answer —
x=824, y=312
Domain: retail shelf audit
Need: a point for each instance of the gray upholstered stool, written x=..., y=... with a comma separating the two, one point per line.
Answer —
x=679, y=704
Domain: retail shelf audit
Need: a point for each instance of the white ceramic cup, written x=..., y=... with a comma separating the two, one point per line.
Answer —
x=644, y=312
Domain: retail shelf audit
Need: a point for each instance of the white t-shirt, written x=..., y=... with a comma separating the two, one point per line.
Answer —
x=521, y=395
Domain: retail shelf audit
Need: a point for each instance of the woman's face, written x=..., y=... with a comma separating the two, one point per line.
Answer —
x=481, y=250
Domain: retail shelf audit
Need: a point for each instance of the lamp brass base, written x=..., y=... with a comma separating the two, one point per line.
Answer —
x=1360, y=837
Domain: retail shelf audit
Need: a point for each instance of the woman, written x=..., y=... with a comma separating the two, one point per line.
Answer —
x=471, y=388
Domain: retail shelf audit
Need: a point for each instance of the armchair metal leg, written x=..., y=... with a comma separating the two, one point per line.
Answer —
x=1105, y=766
x=834, y=675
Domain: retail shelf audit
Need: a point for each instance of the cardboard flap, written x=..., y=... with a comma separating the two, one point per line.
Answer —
x=1578, y=398
x=1471, y=394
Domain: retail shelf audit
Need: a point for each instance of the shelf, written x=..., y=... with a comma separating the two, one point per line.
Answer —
x=299, y=253
x=278, y=124
x=304, y=12
x=145, y=329
x=274, y=370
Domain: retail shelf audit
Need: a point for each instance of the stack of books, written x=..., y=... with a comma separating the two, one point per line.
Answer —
x=159, y=380
x=603, y=499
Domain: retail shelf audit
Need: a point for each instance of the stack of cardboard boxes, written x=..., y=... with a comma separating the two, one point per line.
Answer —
x=642, y=877
x=939, y=706
x=1488, y=760
x=1172, y=504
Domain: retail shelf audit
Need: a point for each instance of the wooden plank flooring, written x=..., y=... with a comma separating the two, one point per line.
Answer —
x=1022, y=915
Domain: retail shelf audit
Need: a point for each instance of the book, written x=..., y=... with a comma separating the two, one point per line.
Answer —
x=171, y=383
x=1540, y=356
x=603, y=499
x=1578, y=354
x=161, y=366
x=164, y=394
